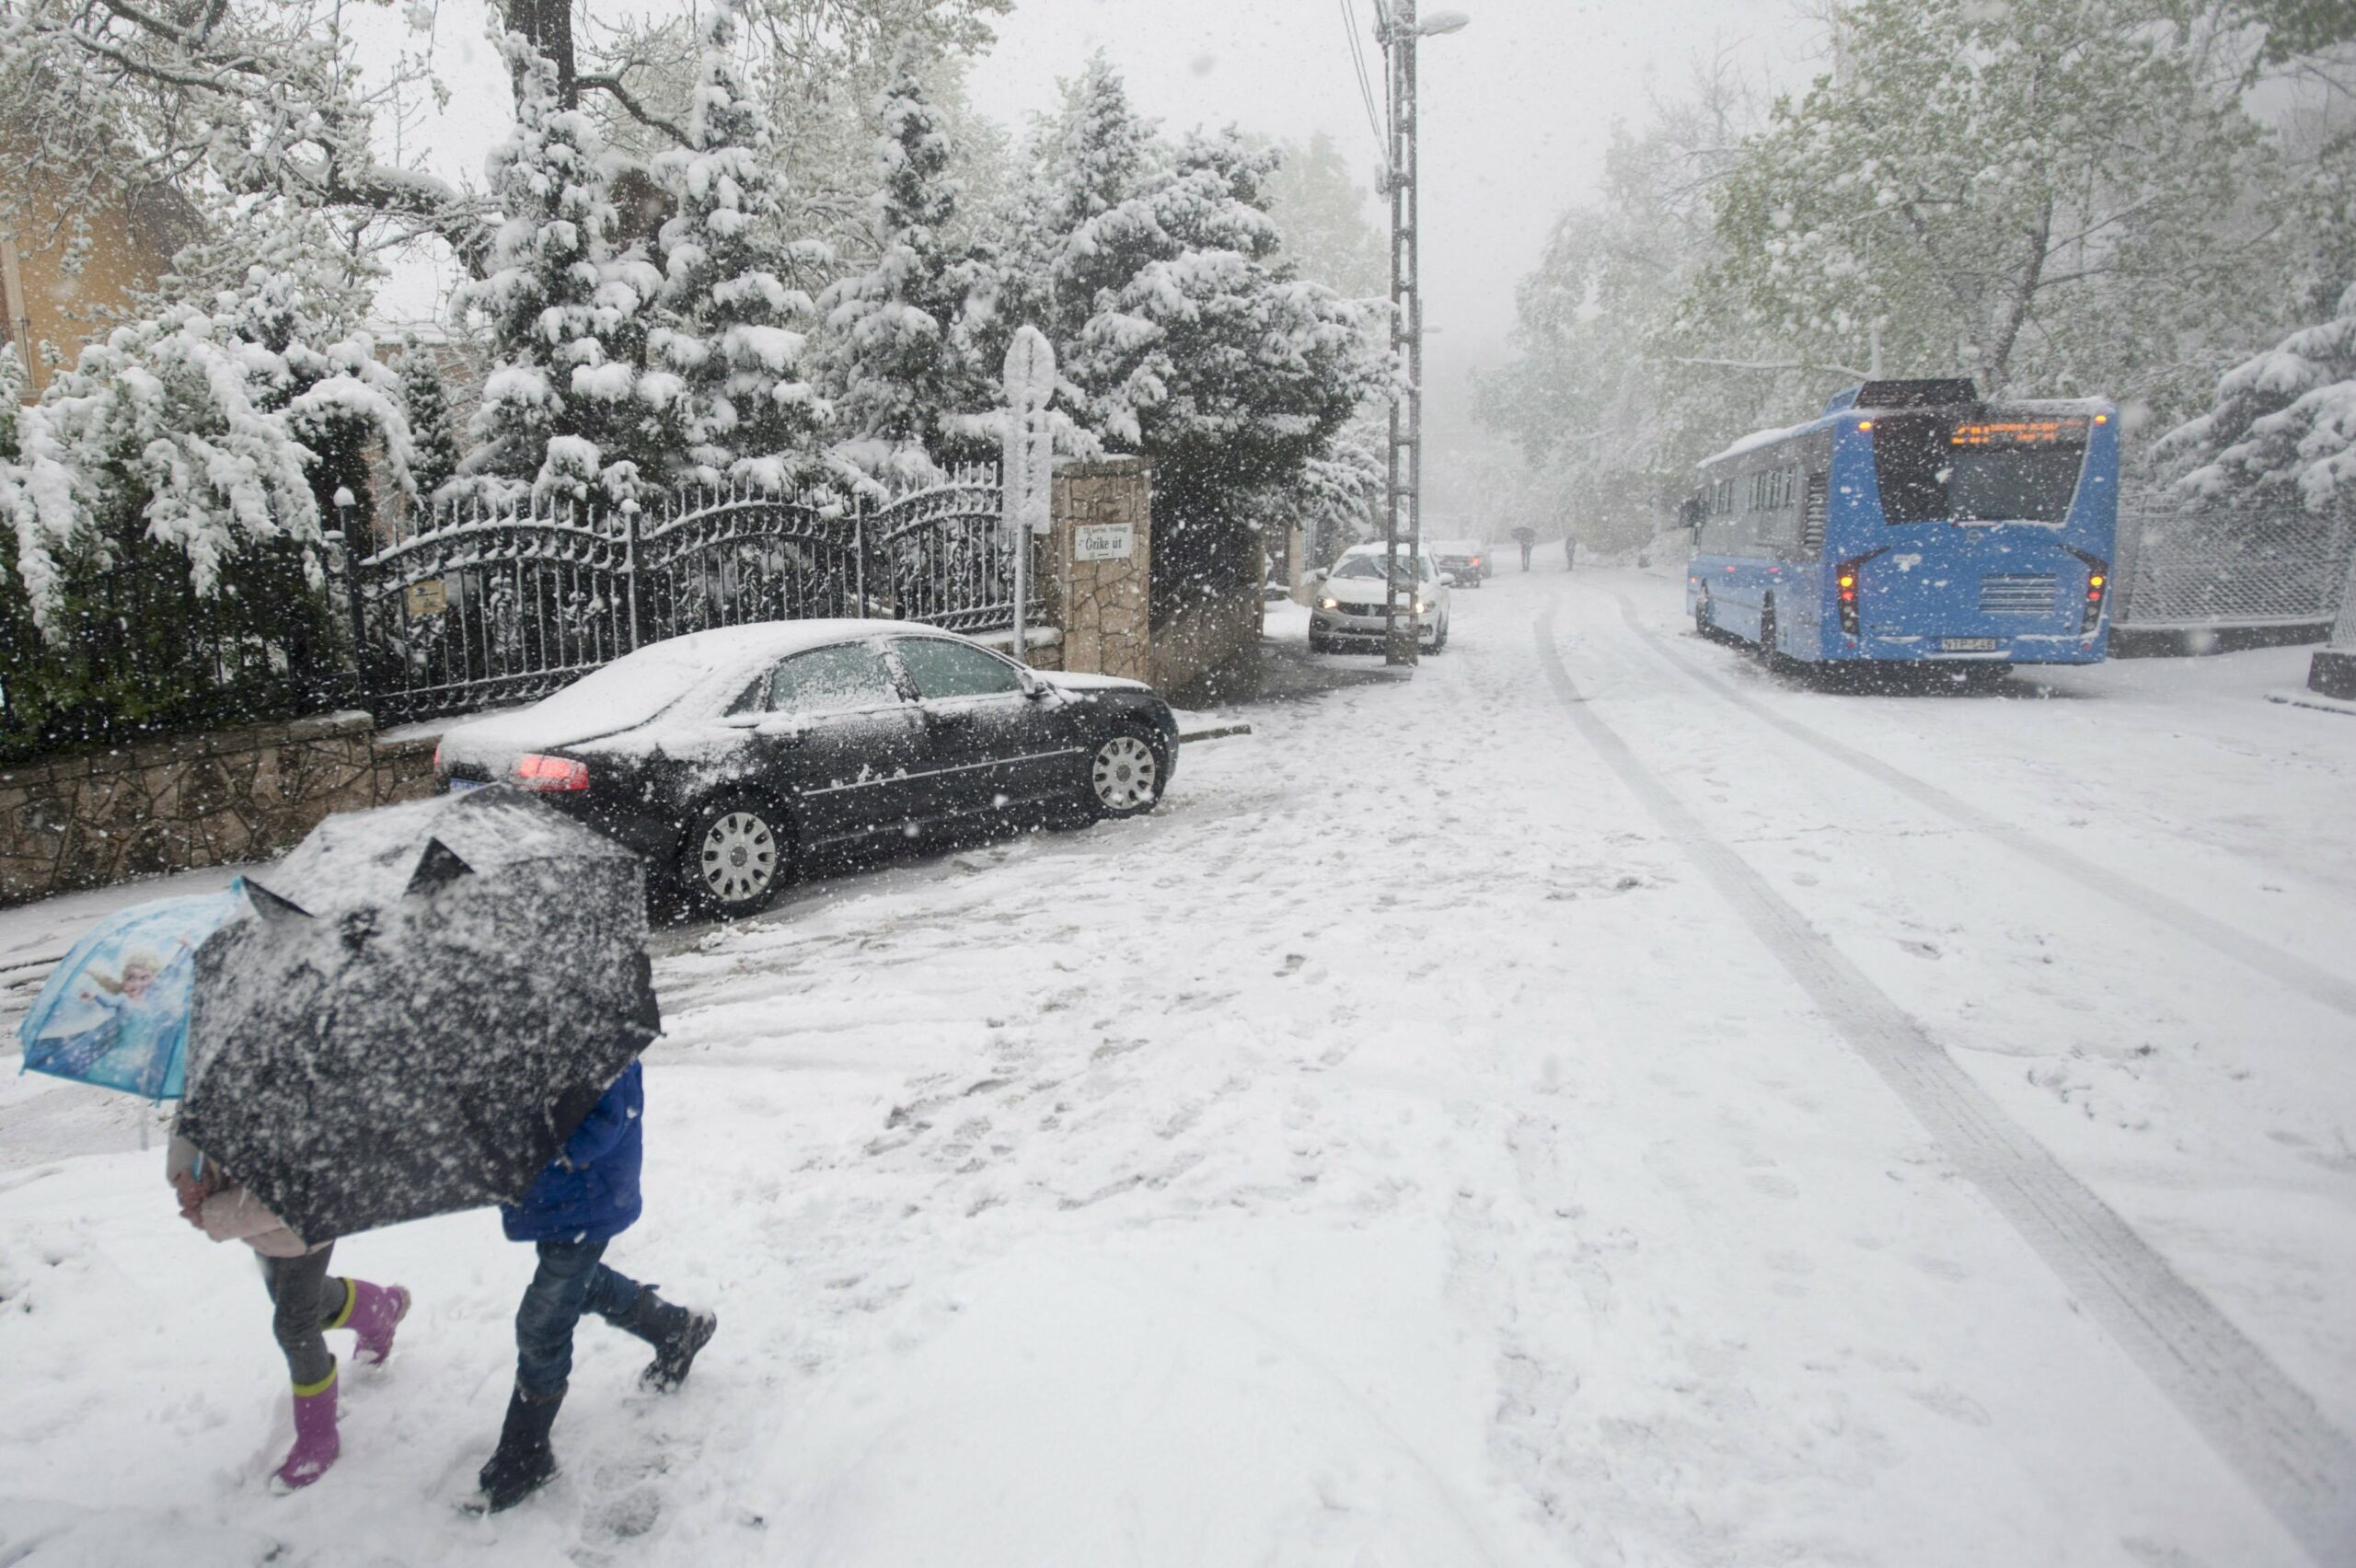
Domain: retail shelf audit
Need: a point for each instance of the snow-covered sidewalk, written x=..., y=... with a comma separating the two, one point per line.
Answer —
x=1397, y=1150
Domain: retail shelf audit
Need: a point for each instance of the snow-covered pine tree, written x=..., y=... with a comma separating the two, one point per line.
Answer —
x=2282, y=434
x=425, y=396
x=734, y=334
x=1076, y=212
x=902, y=359
x=566, y=408
x=1181, y=337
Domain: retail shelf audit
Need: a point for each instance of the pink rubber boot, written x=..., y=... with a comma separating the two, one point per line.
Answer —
x=373, y=1312
x=316, y=1444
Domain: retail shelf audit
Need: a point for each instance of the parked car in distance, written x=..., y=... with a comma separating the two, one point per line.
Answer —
x=726, y=757
x=1467, y=560
x=1347, y=607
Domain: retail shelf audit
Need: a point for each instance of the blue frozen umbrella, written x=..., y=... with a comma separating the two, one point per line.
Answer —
x=115, y=1011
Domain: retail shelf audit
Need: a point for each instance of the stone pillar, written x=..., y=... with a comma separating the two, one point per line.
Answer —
x=1101, y=604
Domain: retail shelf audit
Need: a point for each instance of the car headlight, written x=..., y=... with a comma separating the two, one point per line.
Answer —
x=1329, y=604
x=1422, y=608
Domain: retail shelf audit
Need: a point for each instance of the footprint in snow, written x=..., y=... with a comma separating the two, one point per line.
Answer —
x=1953, y=1403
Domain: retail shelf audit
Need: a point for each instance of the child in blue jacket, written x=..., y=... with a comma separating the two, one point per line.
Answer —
x=587, y=1196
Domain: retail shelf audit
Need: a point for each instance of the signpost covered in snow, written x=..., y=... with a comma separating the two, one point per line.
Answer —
x=1027, y=471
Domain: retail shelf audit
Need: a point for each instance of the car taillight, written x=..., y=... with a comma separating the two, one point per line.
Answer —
x=550, y=774
x=1844, y=583
x=437, y=756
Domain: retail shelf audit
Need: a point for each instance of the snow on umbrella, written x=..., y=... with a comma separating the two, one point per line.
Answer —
x=420, y=1009
x=114, y=1012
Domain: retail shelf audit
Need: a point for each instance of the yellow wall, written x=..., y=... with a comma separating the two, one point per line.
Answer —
x=129, y=241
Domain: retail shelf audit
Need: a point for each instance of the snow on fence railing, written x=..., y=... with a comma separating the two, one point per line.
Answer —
x=490, y=606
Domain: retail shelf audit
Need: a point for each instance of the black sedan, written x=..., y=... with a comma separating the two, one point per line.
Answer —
x=727, y=758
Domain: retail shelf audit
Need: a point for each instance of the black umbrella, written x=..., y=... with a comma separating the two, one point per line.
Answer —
x=419, y=1011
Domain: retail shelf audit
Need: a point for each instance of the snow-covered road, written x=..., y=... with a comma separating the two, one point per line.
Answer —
x=1591, y=1104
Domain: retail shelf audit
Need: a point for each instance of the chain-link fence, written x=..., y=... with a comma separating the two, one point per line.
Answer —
x=2187, y=568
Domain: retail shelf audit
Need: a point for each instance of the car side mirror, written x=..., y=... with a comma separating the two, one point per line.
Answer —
x=1448, y=580
x=1033, y=687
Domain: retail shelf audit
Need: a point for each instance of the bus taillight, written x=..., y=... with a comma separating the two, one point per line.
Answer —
x=2097, y=590
x=1845, y=582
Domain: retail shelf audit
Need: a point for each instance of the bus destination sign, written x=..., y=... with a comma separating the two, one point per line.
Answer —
x=2020, y=432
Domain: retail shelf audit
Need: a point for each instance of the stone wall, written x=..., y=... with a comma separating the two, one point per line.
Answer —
x=1205, y=637
x=1102, y=605
x=213, y=800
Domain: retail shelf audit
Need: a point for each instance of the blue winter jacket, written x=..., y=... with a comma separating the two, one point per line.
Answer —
x=589, y=1192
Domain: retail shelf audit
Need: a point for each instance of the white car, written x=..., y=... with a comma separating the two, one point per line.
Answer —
x=1346, y=606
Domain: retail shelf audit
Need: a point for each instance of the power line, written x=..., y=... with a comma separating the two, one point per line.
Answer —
x=1365, y=84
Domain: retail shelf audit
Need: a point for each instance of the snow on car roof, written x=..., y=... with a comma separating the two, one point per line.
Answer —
x=635, y=687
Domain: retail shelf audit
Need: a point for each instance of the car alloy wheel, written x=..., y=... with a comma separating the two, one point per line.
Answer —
x=739, y=860
x=1125, y=777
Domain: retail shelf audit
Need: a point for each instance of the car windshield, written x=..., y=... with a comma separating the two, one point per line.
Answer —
x=1371, y=568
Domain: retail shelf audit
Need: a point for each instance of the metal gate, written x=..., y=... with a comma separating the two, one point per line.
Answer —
x=490, y=606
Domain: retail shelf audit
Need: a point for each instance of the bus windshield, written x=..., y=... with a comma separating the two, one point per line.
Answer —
x=1939, y=468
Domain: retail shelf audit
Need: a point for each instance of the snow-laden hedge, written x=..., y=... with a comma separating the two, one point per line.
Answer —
x=162, y=514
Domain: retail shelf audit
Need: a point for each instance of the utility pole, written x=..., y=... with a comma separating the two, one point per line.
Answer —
x=1398, y=28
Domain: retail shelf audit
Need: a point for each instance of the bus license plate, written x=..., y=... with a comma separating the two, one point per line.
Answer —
x=1968, y=645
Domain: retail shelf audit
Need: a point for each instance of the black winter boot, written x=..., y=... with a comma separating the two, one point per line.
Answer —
x=676, y=1332
x=524, y=1462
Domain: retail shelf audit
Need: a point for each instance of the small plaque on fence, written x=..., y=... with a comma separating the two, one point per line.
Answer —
x=1103, y=541
x=430, y=597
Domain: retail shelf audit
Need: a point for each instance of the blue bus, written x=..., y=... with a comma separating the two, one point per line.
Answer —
x=1911, y=521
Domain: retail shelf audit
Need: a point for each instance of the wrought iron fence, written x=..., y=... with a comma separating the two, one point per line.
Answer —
x=490, y=606
x=2185, y=571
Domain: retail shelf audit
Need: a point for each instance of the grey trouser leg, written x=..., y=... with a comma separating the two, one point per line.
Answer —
x=308, y=1300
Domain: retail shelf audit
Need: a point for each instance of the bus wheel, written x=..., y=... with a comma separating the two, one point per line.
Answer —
x=1701, y=619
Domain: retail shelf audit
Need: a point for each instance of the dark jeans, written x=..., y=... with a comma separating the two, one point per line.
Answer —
x=569, y=1282
x=309, y=1300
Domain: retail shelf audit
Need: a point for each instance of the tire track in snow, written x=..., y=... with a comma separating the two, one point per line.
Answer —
x=2267, y=1428
x=2267, y=959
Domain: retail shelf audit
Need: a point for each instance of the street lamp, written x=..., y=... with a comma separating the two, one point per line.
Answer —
x=1398, y=28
